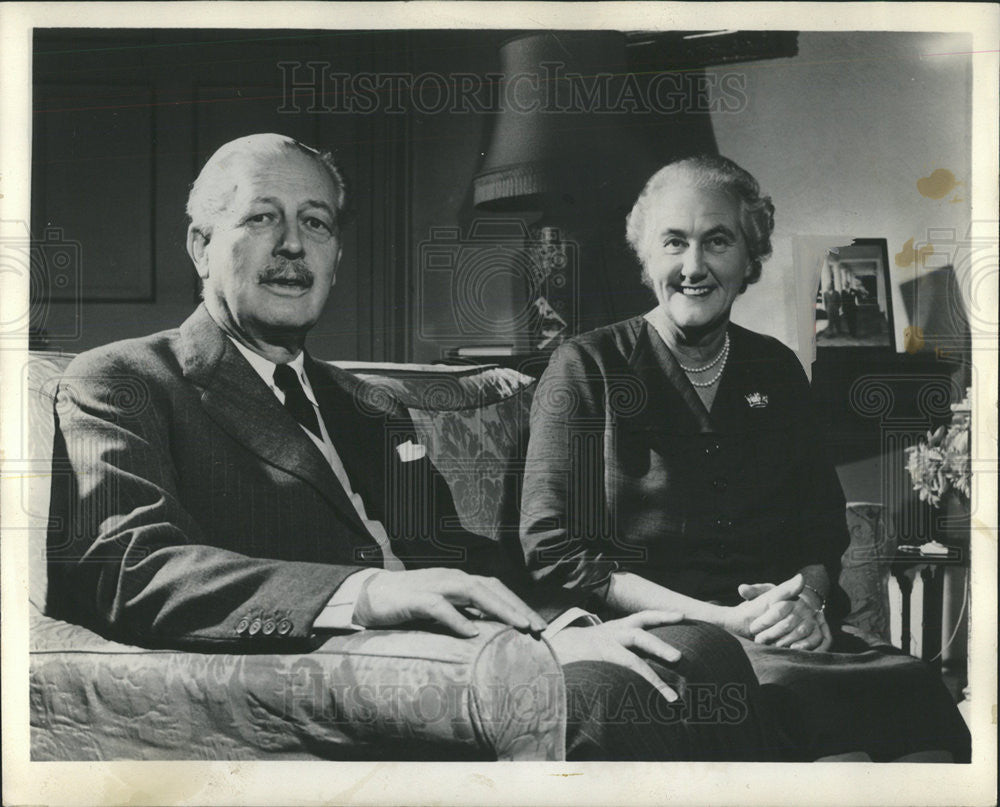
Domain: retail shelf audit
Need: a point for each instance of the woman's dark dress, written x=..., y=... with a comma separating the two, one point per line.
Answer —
x=627, y=470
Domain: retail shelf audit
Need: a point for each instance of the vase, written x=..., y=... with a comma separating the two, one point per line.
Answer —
x=952, y=520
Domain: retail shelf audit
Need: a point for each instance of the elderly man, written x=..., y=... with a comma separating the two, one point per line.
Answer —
x=238, y=496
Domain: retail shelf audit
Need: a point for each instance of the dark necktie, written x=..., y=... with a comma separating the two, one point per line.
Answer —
x=296, y=402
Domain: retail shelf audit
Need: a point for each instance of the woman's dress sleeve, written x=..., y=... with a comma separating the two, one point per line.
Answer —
x=564, y=477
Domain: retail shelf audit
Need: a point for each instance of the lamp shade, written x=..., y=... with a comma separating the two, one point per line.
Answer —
x=555, y=126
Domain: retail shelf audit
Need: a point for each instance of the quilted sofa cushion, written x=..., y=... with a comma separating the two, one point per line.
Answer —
x=371, y=695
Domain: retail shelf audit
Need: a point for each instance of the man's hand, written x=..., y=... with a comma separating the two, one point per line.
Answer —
x=389, y=599
x=796, y=623
x=615, y=642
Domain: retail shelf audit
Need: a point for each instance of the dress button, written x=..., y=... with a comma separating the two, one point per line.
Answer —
x=268, y=627
x=242, y=625
x=723, y=550
x=711, y=448
x=720, y=484
x=284, y=627
x=255, y=627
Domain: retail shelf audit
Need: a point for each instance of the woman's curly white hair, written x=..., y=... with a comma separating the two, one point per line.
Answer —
x=717, y=173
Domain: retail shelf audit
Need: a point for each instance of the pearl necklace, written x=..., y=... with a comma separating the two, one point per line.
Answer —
x=723, y=357
x=710, y=365
x=718, y=375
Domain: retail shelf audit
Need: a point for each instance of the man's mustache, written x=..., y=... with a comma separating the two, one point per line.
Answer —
x=287, y=271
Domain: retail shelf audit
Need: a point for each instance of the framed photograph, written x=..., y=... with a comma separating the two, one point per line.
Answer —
x=853, y=299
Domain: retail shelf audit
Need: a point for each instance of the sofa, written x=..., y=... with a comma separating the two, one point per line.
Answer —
x=368, y=695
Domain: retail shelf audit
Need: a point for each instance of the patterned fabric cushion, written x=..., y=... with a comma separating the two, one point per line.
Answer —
x=475, y=427
x=476, y=451
x=40, y=377
x=439, y=388
x=864, y=572
x=371, y=695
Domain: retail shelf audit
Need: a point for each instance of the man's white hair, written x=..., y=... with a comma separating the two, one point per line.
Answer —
x=212, y=190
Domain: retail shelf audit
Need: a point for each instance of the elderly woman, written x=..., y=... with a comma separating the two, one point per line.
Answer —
x=673, y=466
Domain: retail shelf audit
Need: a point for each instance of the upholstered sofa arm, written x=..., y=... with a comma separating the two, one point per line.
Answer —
x=864, y=573
x=371, y=695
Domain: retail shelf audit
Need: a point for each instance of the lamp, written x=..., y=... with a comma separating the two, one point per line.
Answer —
x=557, y=125
x=577, y=133
x=558, y=153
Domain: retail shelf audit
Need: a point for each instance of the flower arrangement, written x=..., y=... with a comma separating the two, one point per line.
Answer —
x=940, y=463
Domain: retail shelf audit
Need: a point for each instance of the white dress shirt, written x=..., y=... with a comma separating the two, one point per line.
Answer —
x=339, y=611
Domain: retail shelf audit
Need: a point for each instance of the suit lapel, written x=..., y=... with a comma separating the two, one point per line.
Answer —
x=236, y=398
x=358, y=424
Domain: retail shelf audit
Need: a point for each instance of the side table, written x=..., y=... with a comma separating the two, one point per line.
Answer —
x=931, y=569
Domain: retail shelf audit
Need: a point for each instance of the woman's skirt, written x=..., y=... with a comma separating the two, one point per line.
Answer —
x=882, y=702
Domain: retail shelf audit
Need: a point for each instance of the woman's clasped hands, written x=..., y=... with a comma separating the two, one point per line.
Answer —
x=782, y=615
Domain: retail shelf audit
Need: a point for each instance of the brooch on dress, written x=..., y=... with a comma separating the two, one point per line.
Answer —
x=757, y=400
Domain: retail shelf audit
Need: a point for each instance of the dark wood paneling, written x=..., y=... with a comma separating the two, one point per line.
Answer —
x=125, y=119
x=93, y=181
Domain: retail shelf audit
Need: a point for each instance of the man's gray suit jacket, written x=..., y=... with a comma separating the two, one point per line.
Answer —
x=198, y=512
